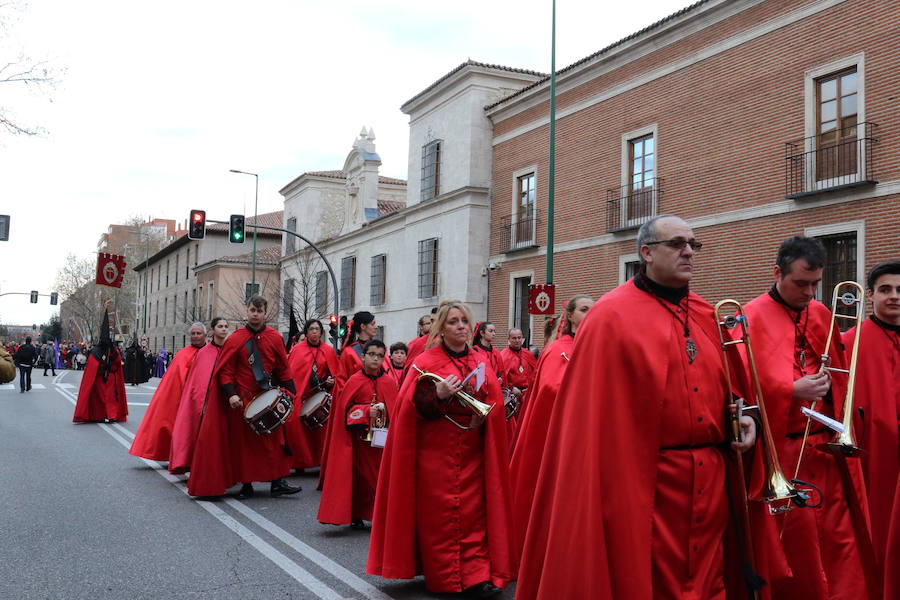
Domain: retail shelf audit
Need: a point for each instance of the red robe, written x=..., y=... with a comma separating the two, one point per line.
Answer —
x=348, y=491
x=878, y=397
x=532, y=439
x=415, y=347
x=154, y=436
x=351, y=360
x=190, y=408
x=307, y=444
x=442, y=504
x=819, y=543
x=396, y=375
x=518, y=371
x=227, y=450
x=629, y=499
x=100, y=399
x=495, y=363
x=892, y=554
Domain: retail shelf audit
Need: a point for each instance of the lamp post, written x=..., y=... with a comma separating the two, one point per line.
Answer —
x=255, y=202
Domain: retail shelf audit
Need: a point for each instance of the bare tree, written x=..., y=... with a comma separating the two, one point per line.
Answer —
x=306, y=265
x=20, y=73
x=84, y=298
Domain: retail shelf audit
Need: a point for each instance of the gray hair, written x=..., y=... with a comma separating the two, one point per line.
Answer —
x=200, y=325
x=647, y=233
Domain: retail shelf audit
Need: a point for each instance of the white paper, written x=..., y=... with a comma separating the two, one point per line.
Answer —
x=826, y=421
x=479, y=376
x=379, y=437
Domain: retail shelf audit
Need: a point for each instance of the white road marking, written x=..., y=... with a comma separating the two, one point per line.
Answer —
x=65, y=386
x=38, y=386
x=301, y=575
x=7, y=386
x=138, y=404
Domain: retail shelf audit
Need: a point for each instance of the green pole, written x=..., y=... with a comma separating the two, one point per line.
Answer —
x=551, y=179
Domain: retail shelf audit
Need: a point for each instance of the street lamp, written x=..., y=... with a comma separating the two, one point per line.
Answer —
x=255, y=201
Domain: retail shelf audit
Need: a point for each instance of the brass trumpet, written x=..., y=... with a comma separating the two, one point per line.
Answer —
x=780, y=496
x=479, y=409
x=375, y=422
x=844, y=442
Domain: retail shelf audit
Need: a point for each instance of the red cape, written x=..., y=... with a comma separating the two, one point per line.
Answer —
x=306, y=444
x=393, y=550
x=878, y=396
x=589, y=533
x=190, y=407
x=154, y=436
x=336, y=503
x=892, y=554
x=415, y=348
x=99, y=399
x=532, y=440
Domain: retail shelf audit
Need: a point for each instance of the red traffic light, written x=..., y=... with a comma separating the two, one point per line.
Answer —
x=197, y=225
x=333, y=319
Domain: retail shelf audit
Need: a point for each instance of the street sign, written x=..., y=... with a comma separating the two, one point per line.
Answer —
x=110, y=269
x=541, y=299
x=4, y=228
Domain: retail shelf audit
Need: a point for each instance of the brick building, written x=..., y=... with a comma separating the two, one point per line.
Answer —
x=754, y=120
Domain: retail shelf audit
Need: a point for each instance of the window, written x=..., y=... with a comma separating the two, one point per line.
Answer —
x=431, y=170
x=428, y=268
x=629, y=264
x=379, y=333
x=250, y=290
x=158, y=276
x=288, y=297
x=321, y=292
x=194, y=314
x=641, y=177
x=376, y=295
x=348, y=282
x=175, y=308
x=836, y=118
x=210, y=299
x=156, y=318
x=185, y=306
x=289, y=240
x=520, y=316
x=176, y=268
x=151, y=282
x=165, y=310
x=524, y=227
x=844, y=259
x=167, y=273
x=187, y=265
x=196, y=252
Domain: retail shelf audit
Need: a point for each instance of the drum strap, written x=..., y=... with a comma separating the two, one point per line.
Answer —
x=263, y=380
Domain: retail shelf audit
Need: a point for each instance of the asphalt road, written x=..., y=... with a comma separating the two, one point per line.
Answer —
x=82, y=518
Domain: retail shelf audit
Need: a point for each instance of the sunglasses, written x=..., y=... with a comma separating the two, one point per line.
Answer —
x=678, y=243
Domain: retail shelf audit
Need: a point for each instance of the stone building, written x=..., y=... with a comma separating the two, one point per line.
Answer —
x=399, y=247
x=181, y=280
x=754, y=120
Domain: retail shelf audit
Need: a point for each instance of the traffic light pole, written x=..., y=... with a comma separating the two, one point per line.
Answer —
x=311, y=245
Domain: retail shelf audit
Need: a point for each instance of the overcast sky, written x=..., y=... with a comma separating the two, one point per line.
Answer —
x=157, y=101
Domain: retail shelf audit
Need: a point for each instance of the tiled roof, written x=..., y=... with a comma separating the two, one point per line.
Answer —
x=473, y=63
x=266, y=256
x=386, y=207
x=272, y=219
x=612, y=46
x=343, y=175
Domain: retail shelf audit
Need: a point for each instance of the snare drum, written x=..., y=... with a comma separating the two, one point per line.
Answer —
x=268, y=411
x=315, y=409
x=511, y=403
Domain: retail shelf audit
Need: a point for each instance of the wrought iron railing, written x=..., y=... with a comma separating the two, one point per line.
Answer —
x=840, y=158
x=519, y=232
x=629, y=206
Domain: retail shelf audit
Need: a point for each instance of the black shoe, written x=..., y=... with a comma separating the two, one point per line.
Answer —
x=21, y=391
x=28, y=389
x=485, y=589
x=357, y=524
x=246, y=491
x=280, y=487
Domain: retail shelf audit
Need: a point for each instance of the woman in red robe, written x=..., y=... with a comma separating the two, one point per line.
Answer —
x=354, y=458
x=529, y=448
x=442, y=505
x=483, y=344
x=314, y=366
x=190, y=407
x=360, y=329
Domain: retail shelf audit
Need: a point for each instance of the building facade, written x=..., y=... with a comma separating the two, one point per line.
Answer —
x=415, y=244
x=754, y=120
x=178, y=285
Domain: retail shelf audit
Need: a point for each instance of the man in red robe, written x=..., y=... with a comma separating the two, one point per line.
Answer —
x=101, y=396
x=154, y=437
x=397, y=362
x=518, y=374
x=878, y=398
x=354, y=458
x=237, y=453
x=631, y=497
x=790, y=329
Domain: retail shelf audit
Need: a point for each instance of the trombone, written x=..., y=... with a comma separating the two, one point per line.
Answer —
x=779, y=495
x=479, y=409
x=844, y=442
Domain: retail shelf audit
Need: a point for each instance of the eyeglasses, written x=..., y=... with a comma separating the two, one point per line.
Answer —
x=678, y=243
x=375, y=354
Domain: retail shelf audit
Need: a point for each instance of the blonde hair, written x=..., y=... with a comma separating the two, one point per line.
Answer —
x=440, y=319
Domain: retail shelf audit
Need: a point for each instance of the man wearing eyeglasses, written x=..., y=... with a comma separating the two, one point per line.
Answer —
x=632, y=493
x=359, y=417
x=790, y=328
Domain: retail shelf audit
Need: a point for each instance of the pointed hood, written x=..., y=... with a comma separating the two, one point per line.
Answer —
x=104, y=344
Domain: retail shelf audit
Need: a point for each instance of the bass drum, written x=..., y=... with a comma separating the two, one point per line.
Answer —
x=268, y=411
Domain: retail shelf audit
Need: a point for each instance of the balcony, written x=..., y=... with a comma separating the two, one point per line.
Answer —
x=627, y=207
x=835, y=160
x=518, y=233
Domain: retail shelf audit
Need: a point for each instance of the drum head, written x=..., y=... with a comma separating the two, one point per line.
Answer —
x=260, y=403
x=311, y=404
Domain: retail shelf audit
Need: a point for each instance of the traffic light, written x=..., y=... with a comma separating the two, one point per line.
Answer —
x=34, y=296
x=236, y=229
x=333, y=328
x=54, y=298
x=342, y=329
x=197, y=225
x=4, y=228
